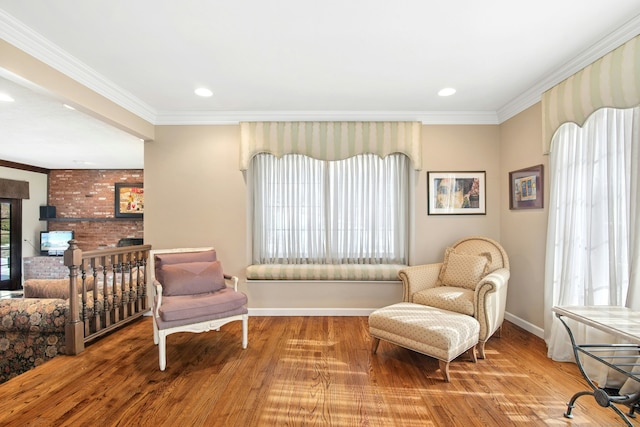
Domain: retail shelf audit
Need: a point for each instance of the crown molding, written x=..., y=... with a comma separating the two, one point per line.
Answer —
x=31, y=42
x=596, y=51
x=24, y=38
x=235, y=117
x=34, y=44
x=458, y=118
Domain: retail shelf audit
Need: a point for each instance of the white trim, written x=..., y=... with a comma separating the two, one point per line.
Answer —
x=235, y=117
x=15, y=32
x=529, y=327
x=605, y=45
x=458, y=118
x=311, y=311
x=24, y=38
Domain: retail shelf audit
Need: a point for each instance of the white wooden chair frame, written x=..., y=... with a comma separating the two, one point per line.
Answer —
x=160, y=335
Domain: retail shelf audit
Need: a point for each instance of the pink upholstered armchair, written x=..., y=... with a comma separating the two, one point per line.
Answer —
x=192, y=294
x=471, y=280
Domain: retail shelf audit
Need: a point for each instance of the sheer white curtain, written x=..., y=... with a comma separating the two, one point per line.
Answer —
x=368, y=215
x=592, y=231
x=345, y=211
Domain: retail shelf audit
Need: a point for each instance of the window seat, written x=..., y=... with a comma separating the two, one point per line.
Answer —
x=334, y=272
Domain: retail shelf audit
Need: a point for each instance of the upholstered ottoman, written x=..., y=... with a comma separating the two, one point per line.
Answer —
x=441, y=334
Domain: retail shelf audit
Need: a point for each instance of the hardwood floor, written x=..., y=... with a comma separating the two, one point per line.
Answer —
x=297, y=371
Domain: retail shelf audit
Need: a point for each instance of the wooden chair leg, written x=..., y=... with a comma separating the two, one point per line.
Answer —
x=481, y=354
x=472, y=354
x=374, y=345
x=444, y=367
x=497, y=334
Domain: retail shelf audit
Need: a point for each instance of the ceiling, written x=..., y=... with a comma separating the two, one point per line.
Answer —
x=37, y=130
x=290, y=60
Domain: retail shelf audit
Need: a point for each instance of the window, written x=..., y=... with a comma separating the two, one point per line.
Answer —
x=351, y=211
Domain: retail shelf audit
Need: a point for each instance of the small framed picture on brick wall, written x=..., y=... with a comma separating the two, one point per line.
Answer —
x=129, y=200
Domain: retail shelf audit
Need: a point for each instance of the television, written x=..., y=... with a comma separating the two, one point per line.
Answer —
x=54, y=243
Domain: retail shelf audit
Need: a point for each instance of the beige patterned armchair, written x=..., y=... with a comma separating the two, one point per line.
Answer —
x=471, y=280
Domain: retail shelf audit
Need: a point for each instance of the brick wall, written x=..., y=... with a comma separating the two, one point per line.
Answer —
x=85, y=203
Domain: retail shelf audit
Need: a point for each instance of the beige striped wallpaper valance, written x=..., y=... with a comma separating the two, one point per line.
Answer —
x=330, y=140
x=611, y=81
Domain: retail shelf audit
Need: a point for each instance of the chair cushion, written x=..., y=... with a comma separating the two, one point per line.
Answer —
x=459, y=300
x=463, y=270
x=191, y=278
x=213, y=305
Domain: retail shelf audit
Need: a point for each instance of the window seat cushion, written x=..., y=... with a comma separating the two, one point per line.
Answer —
x=353, y=272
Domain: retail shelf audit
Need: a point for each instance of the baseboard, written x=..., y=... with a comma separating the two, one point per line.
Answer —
x=529, y=327
x=310, y=311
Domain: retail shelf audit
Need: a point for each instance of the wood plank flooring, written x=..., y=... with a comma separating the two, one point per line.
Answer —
x=297, y=371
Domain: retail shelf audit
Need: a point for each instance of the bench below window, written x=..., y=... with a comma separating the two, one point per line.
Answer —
x=337, y=272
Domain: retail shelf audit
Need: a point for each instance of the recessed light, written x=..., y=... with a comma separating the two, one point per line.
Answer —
x=6, y=98
x=203, y=91
x=447, y=91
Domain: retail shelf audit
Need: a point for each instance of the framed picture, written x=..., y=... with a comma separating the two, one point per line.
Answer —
x=456, y=193
x=129, y=200
x=526, y=188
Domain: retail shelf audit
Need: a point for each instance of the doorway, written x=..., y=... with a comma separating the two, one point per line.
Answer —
x=10, y=244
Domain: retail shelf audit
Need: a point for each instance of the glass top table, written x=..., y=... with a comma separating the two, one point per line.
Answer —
x=620, y=322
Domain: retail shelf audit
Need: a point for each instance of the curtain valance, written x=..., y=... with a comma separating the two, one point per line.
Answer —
x=611, y=81
x=11, y=189
x=330, y=140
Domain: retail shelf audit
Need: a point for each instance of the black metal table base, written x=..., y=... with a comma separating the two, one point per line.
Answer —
x=601, y=396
